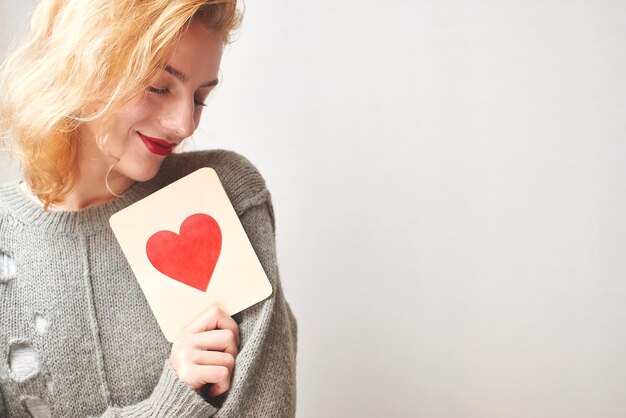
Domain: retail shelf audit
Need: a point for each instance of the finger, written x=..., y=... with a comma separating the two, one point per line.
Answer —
x=216, y=340
x=218, y=388
x=202, y=375
x=192, y=357
x=215, y=358
x=214, y=318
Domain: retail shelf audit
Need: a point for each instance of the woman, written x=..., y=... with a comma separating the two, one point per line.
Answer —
x=94, y=102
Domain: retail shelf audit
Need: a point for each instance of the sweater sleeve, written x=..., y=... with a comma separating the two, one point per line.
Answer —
x=264, y=380
x=170, y=398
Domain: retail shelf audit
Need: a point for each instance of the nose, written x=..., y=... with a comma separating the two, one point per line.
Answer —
x=179, y=118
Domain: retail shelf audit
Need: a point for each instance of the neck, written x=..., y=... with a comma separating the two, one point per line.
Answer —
x=92, y=190
x=85, y=194
x=96, y=182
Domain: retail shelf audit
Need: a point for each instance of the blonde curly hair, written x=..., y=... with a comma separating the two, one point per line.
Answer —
x=82, y=60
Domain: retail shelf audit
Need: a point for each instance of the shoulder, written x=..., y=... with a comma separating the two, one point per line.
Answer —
x=5, y=195
x=242, y=181
x=4, y=229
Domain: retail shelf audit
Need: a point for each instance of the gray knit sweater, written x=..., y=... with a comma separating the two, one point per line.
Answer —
x=77, y=337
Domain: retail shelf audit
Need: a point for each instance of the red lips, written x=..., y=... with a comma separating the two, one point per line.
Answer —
x=156, y=145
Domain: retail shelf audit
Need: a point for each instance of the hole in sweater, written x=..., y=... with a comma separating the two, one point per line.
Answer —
x=23, y=361
x=37, y=408
x=7, y=267
x=41, y=323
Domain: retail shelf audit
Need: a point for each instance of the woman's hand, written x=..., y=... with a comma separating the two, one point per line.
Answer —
x=205, y=352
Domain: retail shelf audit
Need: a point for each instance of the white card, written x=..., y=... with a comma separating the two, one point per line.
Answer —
x=189, y=251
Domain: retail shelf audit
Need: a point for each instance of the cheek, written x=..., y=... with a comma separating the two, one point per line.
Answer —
x=138, y=110
x=120, y=129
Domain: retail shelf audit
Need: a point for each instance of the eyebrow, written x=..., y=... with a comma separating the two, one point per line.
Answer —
x=183, y=77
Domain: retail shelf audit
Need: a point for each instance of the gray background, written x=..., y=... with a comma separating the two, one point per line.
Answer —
x=448, y=179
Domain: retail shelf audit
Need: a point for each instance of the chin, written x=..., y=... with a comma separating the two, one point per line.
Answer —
x=142, y=174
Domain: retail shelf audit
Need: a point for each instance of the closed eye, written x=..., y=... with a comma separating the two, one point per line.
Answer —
x=155, y=90
x=162, y=92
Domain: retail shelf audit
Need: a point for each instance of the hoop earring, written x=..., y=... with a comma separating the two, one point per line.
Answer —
x=106, y=182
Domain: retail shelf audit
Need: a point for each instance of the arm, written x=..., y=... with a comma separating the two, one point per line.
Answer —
x=264, y=375
x=201, y=362
x=170, y=398
x=264, y=380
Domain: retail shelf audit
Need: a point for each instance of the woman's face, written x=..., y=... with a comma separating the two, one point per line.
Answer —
x=147, y=129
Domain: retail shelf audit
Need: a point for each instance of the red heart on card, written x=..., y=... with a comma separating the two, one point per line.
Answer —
x=189, y=257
